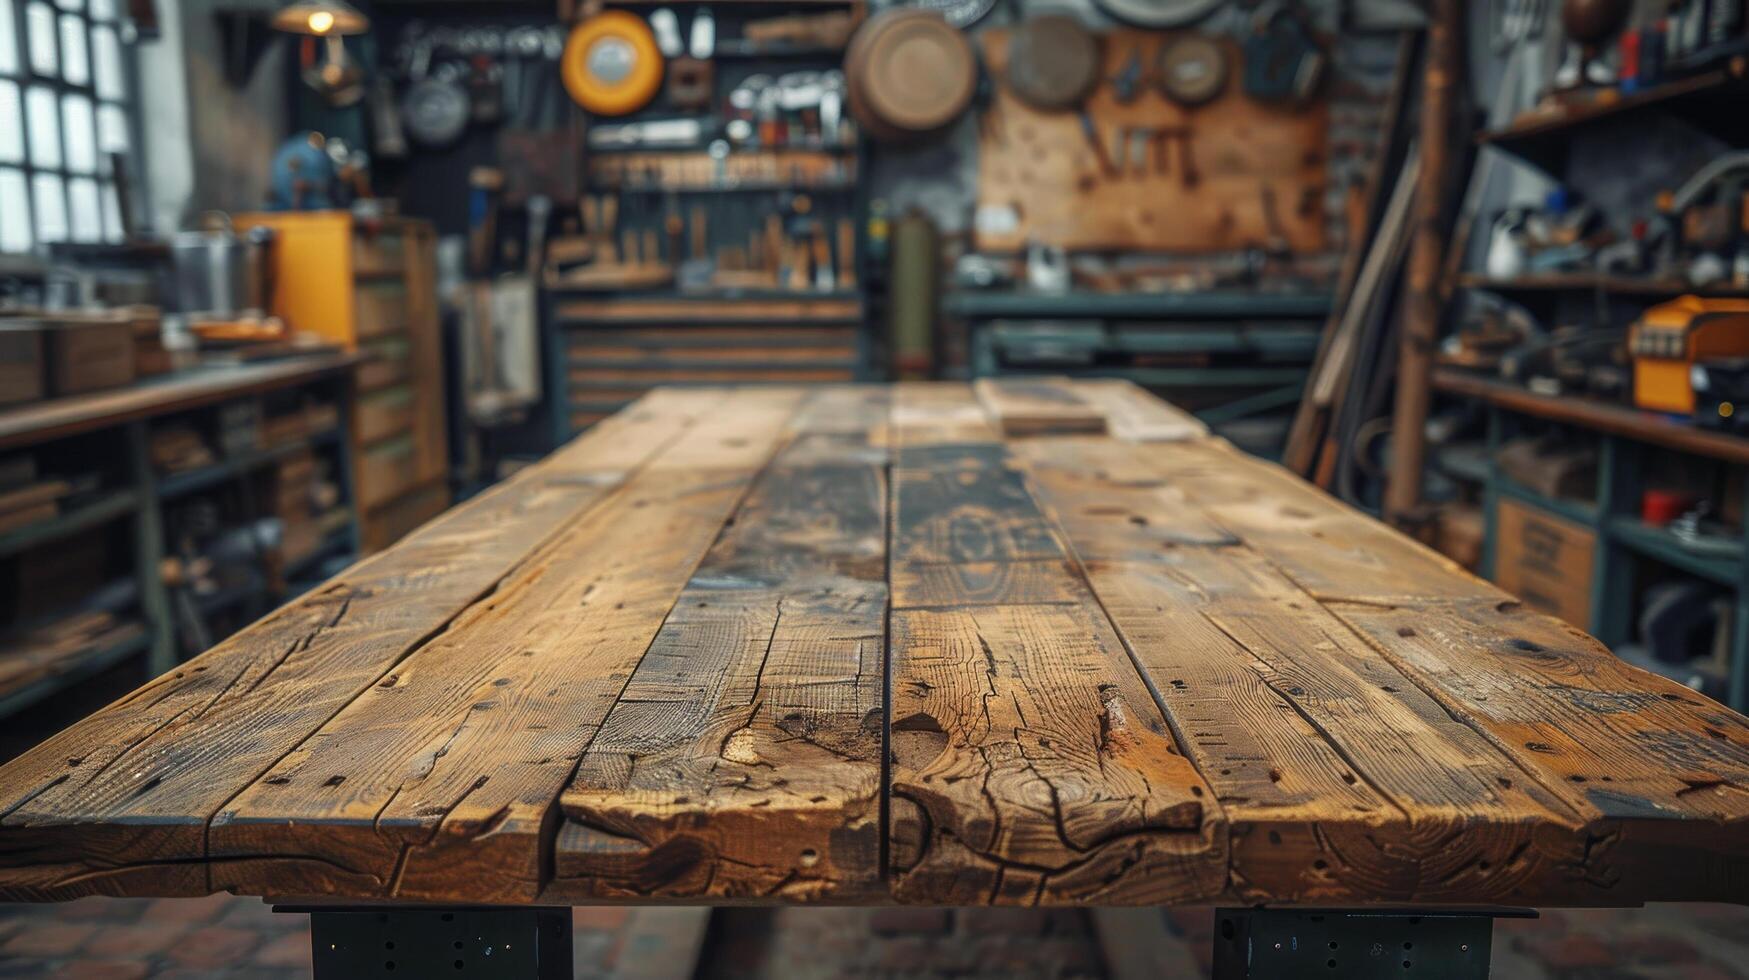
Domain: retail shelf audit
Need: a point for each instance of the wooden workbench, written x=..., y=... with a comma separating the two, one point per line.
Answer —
x=1023, y=643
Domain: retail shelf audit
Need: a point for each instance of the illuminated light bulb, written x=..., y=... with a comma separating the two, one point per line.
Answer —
x=321, y=21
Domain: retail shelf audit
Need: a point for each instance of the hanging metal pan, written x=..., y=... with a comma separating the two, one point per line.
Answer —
x=1159, y=13
x=908, y=73
x=1053, y=62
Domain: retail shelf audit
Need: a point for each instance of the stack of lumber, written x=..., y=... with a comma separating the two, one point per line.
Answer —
x=303, y=499
x=29, y=657
x=150, y=355
x=25, y=497
x=178, y=448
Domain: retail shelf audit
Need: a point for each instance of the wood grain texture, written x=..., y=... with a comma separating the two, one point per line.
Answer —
x=440, y=778
x=1038, y=407
x=862, y=644
x=1236, y=172
x=1030, y=764
x=1582, y=770
x=119, y=804
x=743, y=759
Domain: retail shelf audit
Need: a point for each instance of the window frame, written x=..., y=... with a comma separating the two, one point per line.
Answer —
x=26, y=79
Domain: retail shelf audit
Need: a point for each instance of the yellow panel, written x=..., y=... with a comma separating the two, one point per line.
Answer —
x=313, y=286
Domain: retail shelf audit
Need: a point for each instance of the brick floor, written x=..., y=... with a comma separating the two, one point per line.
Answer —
x=241, y=939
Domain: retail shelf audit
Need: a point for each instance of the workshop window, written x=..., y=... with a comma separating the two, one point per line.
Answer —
x=66, y=113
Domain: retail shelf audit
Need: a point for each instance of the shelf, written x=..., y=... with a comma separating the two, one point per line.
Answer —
x=181, y=484
x=105, y=508
x=773, y=311
x=583, y=361
x=763, y=187
x=1585, y=282
x=1282, y=341
x=1711, y=100
x=738, y=48
x=1213, y=304
x=59, y=418
x=1573, y=510
x=1185, y=377
x=1463, y=461
x=76, y=668
x=1648, y=427
x=1662, y=545
x=703, y=150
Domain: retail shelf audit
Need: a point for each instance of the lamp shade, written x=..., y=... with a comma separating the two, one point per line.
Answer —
x=322, y=18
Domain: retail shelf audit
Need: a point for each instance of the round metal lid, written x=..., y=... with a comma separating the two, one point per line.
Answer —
x=913, y=71
x=434, y=112
x=1159, y=13
x=959, y=13
x=1193, y=70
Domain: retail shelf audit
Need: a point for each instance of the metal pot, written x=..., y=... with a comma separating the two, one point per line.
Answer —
x=218, y=274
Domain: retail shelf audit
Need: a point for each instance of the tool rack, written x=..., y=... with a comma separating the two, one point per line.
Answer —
x=605, y=346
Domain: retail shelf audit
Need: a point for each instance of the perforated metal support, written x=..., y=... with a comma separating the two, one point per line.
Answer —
x=428, y=943
x=1354, y=944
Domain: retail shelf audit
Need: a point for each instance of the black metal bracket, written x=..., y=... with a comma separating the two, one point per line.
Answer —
x=358, y=942
x=1355, y=944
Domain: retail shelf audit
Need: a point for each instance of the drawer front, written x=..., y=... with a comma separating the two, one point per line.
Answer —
x=385, y=471
x=382, y=254
x=389, y=363
x=385, y=413
x=382, y=309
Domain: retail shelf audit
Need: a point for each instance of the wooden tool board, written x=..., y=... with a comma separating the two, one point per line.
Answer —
x=1261, y=168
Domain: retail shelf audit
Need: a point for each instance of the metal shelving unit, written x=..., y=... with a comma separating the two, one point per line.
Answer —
x=1625, y=545
x=142, y=494
x=1622, y=538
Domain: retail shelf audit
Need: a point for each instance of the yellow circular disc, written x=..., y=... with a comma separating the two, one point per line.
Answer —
x=611, y=64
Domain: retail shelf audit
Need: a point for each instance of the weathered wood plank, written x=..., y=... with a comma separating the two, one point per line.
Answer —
x=1029, y=762
x=1133, y=415
x=1657, y=770
x=1632, y=769
x=920, y=584
x=1031, y=766
x=1038, y=407
x=1330, y=550
x=1341, y=777
x=1658, y=774
x=119, y=803
x=441, y=778
x=743, y=759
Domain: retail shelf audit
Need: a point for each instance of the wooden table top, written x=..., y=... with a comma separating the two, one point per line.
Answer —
x=1027, y=643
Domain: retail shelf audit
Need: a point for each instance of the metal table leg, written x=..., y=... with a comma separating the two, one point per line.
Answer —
x=1355, y=944
x=353, y=943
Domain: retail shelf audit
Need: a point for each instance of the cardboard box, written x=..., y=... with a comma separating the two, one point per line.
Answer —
x=21, y=362
x=89, y=353
x=1545, y=560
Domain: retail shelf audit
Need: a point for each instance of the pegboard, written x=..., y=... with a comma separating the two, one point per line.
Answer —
x=1258, y=170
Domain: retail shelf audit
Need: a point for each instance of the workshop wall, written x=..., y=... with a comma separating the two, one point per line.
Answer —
x=207, y=143
x=941, y=179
